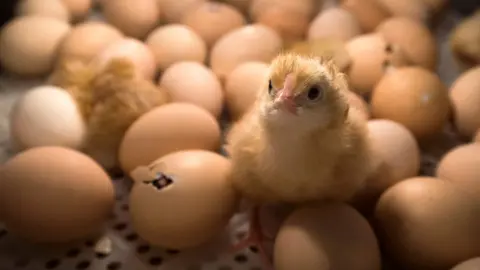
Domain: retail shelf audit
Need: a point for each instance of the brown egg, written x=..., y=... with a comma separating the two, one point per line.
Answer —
x=465, y=96
x=192, y=197
x=86, y=40
x=414, y=97
x=471, y=264
x=135, y=18
x=169, y=128
x=413, y=38
x=242, y=86
x=174, y=43
x=289, y=22
x=202, y=87
x=53, y=9
x=397, y=157
x=357, y=102
x=54, y=194
x=242, y=5
x=414, y=9
x=369, y=13
x=173, y=10
x=371, y=56
x=461, y=165
x=79, y=8
x=134, y=50
x=330, y=236
x=332, y=48
x=477, y=137
x=416, y=219
x=309, y=8
x=29, y=44
x=463, y=41
x=211, y=20
x=334, y=22
x=254, y=42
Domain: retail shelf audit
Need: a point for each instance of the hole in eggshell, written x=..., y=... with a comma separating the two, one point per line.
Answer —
x=160, y=182
x=389, y=48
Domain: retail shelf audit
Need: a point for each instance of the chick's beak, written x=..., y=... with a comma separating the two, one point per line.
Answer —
x=285, y=95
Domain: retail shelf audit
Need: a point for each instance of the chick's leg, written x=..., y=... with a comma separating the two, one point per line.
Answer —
x=255, y=238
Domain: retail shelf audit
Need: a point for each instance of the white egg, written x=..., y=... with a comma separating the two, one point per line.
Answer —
x=46, y=116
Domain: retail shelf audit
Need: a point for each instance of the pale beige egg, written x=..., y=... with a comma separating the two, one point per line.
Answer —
x=29, y=44
x=135, y=18
x=211, y=20
x=242, y=86
x=88, y=39
x=194, y=83
x=174, y=43
x=166, y=129
x=253, y=42
x=334, y=22
x=53, y=9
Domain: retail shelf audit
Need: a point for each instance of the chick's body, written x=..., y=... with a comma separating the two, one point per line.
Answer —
x=300, y=142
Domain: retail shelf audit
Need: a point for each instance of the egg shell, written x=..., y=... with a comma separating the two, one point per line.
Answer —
x=371, y=57
x=414, y=97
x=254, y=42
x=175, y=43
x=135, y=18
x=65, y=195
x=414, y=9
x=173, y=10
x=191, y=210
x=334, y=22
x=323, y=237
x=30, y=44
x=414, y=217
x=132, y=49
x=291, y=24
x=242, y=5
x=242, y=86
x=171, y=127
x=414, y=39
x=202, y=87
x=88, y=39
x=369, y=13
x=460, y=165
x=46, y=116
x=79, y=9
x=397, y=157
x=53, y=9
x=471, y=264
x=465, y=96
x=211, y=20
x=357, y=102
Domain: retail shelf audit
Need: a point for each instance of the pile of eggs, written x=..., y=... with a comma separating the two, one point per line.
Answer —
x=209, y=57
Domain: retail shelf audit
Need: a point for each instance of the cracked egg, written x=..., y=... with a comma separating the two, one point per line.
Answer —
x=183, y=199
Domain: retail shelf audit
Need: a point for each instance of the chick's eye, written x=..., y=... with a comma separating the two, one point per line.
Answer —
x=314, y=93
x=270, y=87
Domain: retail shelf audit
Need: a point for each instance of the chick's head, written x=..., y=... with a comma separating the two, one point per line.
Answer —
x=303, y=93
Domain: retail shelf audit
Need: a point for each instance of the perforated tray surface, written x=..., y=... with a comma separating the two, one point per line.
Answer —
x=128, y=251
